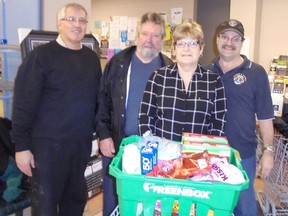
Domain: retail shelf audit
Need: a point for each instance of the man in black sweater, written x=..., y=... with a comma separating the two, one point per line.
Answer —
x=55, y=102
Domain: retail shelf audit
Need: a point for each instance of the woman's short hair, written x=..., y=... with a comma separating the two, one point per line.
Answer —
x=189, y=29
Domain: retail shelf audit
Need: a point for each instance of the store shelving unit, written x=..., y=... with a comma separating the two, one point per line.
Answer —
x=10, y=61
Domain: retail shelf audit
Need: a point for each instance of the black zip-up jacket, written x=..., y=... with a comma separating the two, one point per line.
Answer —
x=111, y=110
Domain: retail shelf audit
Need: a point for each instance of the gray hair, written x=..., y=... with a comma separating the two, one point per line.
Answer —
x=156, y=19
x=76, y=6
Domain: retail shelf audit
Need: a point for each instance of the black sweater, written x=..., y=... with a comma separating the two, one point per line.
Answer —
x=55, y=95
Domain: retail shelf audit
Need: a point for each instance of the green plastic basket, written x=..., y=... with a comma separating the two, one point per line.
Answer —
x=133, y=189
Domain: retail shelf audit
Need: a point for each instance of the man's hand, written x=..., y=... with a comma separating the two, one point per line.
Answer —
x=107, y=147
x=266, y=164
x=25, y=162
x=267, y=160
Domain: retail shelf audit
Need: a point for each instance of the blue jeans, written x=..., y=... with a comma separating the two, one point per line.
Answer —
x=109, y=188
x=246, y=205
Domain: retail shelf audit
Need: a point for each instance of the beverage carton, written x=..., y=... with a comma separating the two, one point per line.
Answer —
x=147, y=154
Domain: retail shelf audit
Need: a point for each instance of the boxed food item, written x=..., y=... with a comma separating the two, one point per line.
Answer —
x=203, y=138
x=215, y=145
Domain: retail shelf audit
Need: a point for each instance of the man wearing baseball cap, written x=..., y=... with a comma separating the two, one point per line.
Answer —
x=248, y=97
x=232, y=25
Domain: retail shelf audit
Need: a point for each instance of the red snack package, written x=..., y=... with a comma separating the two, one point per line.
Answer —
x=185, y=167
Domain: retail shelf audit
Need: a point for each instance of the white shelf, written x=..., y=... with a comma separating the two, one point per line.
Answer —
x=9, y=47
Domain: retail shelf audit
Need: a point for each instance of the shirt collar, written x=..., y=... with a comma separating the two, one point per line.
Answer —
x=198, y=70
x=246, y=64
x=61, y=42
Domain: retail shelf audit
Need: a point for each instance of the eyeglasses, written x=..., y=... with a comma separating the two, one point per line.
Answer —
x=182, y=44
x=225, y=38
x=72, y=20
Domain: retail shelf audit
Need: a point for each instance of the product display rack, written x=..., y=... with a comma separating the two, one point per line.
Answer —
x=10, y=61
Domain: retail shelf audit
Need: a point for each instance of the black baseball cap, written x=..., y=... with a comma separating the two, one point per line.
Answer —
x=231, y=25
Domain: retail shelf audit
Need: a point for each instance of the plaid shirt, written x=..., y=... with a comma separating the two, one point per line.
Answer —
x=167, y=109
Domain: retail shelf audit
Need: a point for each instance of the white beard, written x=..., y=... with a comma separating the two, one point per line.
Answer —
x=148, y=53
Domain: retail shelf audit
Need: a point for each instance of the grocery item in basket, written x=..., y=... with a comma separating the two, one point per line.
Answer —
x=222, y=151
x=162, y=149
x=169, y=149
x=131, y=159
x=146, y=160
x=139, y=210
x=157, y=210
x=183, y=167
x=154, y=146
x=222, y=171
x=150, y=141
x=203, y=138
x=211, y=145
x=215, y=145
x=175, y=209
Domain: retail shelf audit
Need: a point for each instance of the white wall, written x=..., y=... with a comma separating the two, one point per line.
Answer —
x=274, y=30
x=50, y=10
x=268, y=30
x=265, y=21
x=248, y=19
x=103, y=9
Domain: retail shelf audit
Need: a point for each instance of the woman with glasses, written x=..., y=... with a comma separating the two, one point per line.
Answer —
x=184, y=97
